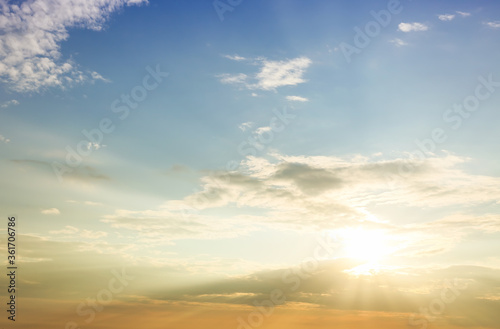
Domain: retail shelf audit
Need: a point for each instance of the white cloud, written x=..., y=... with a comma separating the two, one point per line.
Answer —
x=235, y=58
x=411, y=27
x=97, y=76
x=4, y=139
x=316, y=193
x=88, y=203
x=493, y=25
x=262, y=130
x=297, y=99
x=163, y=225
x=94, y=146
x=450, y=17
x=72, y=231
x=272, y=74
x=68, y=230
x=282, y=73
x=463, y=14
x=92, y=203
x=232, y=78
x=87, y=234
x=51, y=211
x=30, y=57
x=446, y=17
x=246, y=125
x=398, y=42
x=9, y=103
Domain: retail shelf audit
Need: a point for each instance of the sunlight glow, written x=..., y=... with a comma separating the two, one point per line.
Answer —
x=365, y=245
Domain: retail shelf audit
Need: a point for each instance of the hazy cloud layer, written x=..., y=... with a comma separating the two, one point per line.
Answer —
x=315, y=193
x=66, y=270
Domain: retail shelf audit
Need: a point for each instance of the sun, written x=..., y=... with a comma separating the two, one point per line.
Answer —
x=365, y=245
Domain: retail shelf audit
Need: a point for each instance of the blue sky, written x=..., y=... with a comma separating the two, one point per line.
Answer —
x=337, y=136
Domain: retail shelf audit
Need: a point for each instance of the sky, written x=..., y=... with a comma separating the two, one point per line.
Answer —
x=251, y=164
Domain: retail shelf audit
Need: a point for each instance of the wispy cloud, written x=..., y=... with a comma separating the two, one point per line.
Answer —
x=493, y=25
x=30, y=59
x=68, y=230
x=97, y=76
x=3, y=139
x=463, y=14
x=261, y=130
x=450, y=17
x=73, y=232
x=163, y=225
x=272, y=74
x=446, y=17
x=82, y=173
x=398, y=42
x=297, y=99
x=235, y=57
x=232, y=78
x=88, y=234
x=88, y=203
x=246, y=125
x=9, y=103
x=412, y=27
x=51, y=211
x=93, y=203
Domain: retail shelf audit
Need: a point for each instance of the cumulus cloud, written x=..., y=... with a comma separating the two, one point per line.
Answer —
x=297, y=99
x=412, y=27
x=30, y=57
x=272, y=74
x=282, y=73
